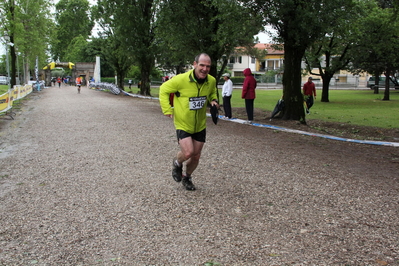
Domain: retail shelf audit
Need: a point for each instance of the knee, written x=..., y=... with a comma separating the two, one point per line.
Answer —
x=192, y=155
x=187, y=155
x=196, y=156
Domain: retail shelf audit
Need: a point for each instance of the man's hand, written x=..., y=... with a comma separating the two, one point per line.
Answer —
x=169, y=115
x=215, y=103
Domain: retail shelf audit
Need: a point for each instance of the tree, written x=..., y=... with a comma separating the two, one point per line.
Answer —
x=75, y=52
x=298, y=24
x=29, y=27
x=377, y=51
x=72, y=20
x=117, y=56
x=82, y=50
x=331, y=53
x=129, y=26
x=216, y=27
x=10, y=26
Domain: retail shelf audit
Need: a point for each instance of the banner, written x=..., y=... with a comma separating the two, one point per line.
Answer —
x=4, y=99
x=7, y=99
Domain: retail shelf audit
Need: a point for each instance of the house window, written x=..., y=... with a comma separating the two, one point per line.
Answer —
x=252, y=60
x=270, y=64
x=232, y=60
x=240, y=59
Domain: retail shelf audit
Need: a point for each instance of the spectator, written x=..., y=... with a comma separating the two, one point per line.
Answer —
x=309, y=89
x=227, y=91
x=248, y=93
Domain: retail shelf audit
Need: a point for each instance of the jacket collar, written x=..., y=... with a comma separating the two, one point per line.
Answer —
x=192, y=77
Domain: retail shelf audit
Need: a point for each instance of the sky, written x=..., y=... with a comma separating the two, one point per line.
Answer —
x=263, y=37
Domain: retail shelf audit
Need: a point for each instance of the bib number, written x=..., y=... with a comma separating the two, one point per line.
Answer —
x=197, y=103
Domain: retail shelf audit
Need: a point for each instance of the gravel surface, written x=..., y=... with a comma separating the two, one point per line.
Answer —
x=85, y=179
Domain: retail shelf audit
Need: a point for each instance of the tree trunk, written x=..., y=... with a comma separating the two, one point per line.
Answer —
x=214, y=72
x=387, y=85
x=145, y=87
x=120, y=80
x=376, y=82
x=13, y=62
x=386, y=92
x=326, y=87
x=26, y=70
x=292, y=91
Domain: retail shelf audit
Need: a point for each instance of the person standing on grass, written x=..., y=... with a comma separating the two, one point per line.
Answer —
x=130, y=84
x=193, y=91
x=227, y=91
x=309, y=90
x=248, y=93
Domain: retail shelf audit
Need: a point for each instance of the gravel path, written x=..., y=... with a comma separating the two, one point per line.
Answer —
x=85, y=179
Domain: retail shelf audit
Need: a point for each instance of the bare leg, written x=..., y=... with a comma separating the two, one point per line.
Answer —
x=190, y=151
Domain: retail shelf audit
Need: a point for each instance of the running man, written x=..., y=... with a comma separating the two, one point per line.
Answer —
x=193, y=91
x=78, y=82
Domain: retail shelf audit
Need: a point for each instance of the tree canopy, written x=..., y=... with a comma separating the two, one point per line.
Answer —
x=28, y=25
x=332, y=52
x=376, y=51
x=216, y=27
x=128, y=27
x=298, y=24
x=73, y=20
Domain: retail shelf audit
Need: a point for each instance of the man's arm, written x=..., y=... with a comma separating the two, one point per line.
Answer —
x=164, y=95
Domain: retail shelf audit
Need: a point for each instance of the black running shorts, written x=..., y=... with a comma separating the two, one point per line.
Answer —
x=199, y=136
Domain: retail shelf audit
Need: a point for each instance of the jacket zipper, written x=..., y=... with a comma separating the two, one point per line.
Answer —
x=196, y=111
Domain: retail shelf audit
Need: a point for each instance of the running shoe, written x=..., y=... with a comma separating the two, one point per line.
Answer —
x=177, y=171
x=187, y=183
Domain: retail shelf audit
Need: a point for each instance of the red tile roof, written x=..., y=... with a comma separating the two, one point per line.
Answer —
x=269, y=48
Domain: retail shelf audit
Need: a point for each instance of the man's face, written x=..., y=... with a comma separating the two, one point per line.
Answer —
x=202, y=67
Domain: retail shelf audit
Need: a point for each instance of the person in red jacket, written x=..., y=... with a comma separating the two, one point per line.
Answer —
x=309, y=89
x=248, y=93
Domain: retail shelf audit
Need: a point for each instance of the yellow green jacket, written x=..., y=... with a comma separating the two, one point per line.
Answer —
x=190, y=101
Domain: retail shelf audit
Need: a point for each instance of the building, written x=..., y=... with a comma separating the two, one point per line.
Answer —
x=273, y=63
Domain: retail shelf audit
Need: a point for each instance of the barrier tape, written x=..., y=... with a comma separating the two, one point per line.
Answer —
x=240, y=121
x=372, y=142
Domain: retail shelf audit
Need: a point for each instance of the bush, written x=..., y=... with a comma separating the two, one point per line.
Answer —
x=108, y=80
x=236, y=80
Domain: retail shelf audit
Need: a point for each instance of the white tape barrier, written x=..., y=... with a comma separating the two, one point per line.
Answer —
x=240, y=121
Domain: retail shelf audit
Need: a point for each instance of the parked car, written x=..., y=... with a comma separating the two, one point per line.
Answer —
x=3, y=80
x=381, y=82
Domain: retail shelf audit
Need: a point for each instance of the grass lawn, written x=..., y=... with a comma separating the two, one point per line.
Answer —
x=3, y=89
x=357, y=107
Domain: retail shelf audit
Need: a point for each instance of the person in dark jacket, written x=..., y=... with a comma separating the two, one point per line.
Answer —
x=309, y=90
x=248, y=93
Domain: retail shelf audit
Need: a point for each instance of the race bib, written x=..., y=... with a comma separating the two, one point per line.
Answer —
x=197, y=102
